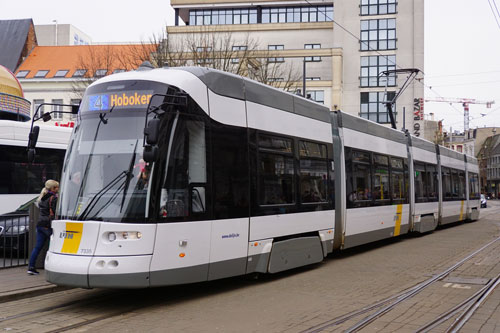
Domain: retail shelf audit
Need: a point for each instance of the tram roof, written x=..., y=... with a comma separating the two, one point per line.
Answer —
x=369, y=127
x=238, y=87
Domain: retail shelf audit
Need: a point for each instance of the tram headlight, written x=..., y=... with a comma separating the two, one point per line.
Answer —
x=131, y=235
x=111, y=236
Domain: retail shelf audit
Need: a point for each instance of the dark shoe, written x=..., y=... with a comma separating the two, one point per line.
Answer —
x=32, y=271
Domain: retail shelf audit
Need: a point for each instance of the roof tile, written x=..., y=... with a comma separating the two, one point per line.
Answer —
x=90, y=57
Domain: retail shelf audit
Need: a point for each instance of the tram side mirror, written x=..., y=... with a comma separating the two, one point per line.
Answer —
x=74, y=109
x=152, y=131
x=31, y=155
x=46, y=117
x=150, y=154
x=33, y=137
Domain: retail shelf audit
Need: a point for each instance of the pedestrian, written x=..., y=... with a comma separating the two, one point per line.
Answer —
x=47, y=201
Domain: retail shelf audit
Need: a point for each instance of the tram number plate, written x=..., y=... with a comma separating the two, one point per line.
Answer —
x=86, y=251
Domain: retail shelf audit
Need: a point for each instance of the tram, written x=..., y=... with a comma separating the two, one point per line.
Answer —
x=190, y=174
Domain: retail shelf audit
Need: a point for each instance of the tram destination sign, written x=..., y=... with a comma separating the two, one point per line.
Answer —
x=116, y=100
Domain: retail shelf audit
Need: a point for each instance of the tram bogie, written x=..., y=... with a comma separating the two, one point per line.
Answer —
x=234, y=177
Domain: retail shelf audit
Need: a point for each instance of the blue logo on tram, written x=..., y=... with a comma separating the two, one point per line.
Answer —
x=98, y=102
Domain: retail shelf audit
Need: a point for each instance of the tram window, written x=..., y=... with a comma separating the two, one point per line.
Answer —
x=230, y=171
x=398, y=183
x=432, y=182
x=473, y=186
x=311, y=149
x=381, y=184
x=420, y=183
x=381, y=178
x=455, y=184
x=446, y=177
x=276, y=179
x=313, y=172
x=275, y=143
x=461, y=184
x=185, y=169
x=398, y=186
x=358, y=181
x=358, y=156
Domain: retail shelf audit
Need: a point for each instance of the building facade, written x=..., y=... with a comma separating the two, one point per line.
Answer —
x=60, y=74
x=60, y=35
x=344, y=44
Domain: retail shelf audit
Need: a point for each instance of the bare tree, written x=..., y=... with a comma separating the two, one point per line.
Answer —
x=223, y=51
x=96, y=61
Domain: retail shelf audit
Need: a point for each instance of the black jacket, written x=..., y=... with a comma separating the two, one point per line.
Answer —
x=47, y=203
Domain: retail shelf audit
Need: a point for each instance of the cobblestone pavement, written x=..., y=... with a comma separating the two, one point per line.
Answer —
x=295, y=301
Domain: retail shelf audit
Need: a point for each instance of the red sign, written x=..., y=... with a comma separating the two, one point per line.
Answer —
x=70, y=124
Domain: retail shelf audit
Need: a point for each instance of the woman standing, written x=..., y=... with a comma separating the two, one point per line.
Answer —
x=47, y=203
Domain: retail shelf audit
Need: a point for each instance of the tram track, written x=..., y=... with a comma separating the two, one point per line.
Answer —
x=73, y=310
x=391, y=302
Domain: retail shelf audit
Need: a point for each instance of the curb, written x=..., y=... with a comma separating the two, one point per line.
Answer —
x=31, y=292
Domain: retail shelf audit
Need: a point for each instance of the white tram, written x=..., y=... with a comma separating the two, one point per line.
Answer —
x=241, y=178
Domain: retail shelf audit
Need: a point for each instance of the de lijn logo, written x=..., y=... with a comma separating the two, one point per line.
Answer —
x=67, y=234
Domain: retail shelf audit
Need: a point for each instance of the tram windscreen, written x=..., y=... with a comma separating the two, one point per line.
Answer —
x=104, y=177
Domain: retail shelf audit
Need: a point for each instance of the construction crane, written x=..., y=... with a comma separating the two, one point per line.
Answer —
x=465, y=103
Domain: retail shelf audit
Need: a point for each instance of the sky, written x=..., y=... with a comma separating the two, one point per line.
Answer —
x=462, y=44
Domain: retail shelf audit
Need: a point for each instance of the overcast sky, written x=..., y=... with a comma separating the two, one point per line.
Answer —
x=462, y=43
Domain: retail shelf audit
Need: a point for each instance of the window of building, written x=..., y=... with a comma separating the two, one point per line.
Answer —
x=22, y=74
x=79, y=73
x=41, y=73
x=378, y=7
x=74, y=101
x=275, y=48
x=119, y=70
x=373, y=107
x=297, y=14
x=311, y=47
x=61, y=73
x=57, y=115
x=36, y=104
x=223, y=16
x=313, y=78
x=236, y=49
x=372, y=66
x=100, y=72
x=378, y=34
x=203, y=55
x=316, y=95
x=276, y=79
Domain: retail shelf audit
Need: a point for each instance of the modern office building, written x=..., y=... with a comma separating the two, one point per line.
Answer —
x=60, y=35
x=345, y=45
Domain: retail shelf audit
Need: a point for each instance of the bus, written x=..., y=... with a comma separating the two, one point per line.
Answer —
x=21, y=181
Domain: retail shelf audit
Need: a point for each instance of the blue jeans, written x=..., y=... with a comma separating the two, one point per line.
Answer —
x=42, y=235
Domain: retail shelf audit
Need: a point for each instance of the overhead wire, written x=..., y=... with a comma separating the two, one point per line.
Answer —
x=376, y=51
x=495, y=14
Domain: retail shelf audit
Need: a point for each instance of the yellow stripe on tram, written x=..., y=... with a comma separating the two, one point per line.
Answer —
x=461, y=210
x=399, y=214
x=72, y=237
